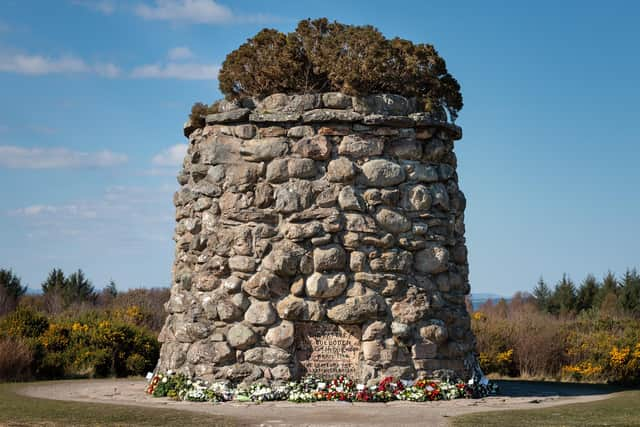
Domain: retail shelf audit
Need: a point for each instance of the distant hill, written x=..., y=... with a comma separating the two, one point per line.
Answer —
x=480, y=298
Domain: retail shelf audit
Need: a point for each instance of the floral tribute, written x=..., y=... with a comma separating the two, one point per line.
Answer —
x=311, y=389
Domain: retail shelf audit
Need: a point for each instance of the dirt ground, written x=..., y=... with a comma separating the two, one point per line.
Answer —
x=513, y=395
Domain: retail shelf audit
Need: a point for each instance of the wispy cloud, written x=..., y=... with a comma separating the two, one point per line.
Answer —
x=36, y=65
x=107, y=70
x=106, y=7
x=123, y=214
x=14, y=157
x=170, y=157
x=196, y=11
x=180, y=52
x=72, y=210
x=173, y=70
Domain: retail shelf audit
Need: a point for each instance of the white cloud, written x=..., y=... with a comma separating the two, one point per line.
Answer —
x=108, y=70
x=56, y=158
x=106, y=7
x=197, y=11
x=180, y=52
x=174, y=70
x=172, y=156
x=36, y=65
x=123, y=215
x=78, y=211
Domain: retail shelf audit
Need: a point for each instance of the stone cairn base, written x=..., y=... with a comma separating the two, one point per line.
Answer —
x=319, y=234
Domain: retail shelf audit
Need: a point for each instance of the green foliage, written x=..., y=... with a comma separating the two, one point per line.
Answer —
x=542, y=294
x=563, y=299
x=79, y=288
x=11, y=284
x=328, y=56
x=630, y=292
x=91, y=343
x=61, y=291
x=587, y=293
x=24, y=323
x=55, y=281
x=587, y=334
x=111, y=289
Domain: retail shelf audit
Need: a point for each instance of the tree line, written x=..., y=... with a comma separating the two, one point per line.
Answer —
x=610, y=294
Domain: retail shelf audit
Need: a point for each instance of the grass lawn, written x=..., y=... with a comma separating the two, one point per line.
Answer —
x=16, y=410
x=621, y=410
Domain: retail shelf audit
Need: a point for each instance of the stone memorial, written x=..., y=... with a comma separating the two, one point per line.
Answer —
x=319, y=234
x=322, y=232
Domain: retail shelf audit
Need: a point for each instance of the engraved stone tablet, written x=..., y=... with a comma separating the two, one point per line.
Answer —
x=325, y=350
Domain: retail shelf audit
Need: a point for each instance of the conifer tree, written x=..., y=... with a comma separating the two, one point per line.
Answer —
x=630, y=292
x=587, y=293
x=542, y=294
x=563, y=299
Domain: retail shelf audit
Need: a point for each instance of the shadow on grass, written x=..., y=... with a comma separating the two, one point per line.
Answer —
x=518, y=388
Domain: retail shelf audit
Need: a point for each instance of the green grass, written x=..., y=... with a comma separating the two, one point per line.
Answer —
x=17, y=410
x=621, y=410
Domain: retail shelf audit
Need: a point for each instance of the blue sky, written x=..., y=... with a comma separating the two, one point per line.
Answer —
x=95, y=93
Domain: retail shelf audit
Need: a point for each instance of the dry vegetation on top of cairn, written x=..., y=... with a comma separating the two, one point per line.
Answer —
x=322, y=56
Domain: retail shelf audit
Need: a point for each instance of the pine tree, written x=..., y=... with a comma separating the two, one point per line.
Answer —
x=630, y=292
x=78, y=288
x=111, y=289
x=66, y=291
x=11, y=284
x=542, y=294
x=563, y=299
x=609, y=286
x=10, y=291
x=55, y=282
x=587, y=293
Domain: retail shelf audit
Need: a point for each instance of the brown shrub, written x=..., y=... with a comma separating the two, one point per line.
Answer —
x=357, y=60
x=149, y=304
x=15, y=359
x=517, y=339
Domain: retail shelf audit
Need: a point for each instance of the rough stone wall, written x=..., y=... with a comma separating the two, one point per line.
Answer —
x=306, y=210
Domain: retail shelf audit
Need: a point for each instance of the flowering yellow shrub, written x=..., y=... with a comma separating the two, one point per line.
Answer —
x=91, y=344
x=582, y=371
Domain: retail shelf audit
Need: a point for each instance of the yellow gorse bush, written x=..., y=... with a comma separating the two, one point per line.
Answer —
x=94, y=344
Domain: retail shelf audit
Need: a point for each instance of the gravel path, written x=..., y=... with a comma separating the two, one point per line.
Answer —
x=516, y=395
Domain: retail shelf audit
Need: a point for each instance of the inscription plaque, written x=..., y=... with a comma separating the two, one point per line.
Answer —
x=325, y=350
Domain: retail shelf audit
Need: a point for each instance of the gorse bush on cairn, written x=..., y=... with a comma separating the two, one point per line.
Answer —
x=323, y=56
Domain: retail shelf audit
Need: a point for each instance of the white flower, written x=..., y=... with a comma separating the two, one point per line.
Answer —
x=321, y=386
x=170, y=372
x=471, y=381
x=164, y=380
x=340, y=389
x=429, y=388
x=360, y=387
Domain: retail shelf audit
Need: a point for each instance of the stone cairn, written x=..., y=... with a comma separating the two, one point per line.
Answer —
x=319, y=234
